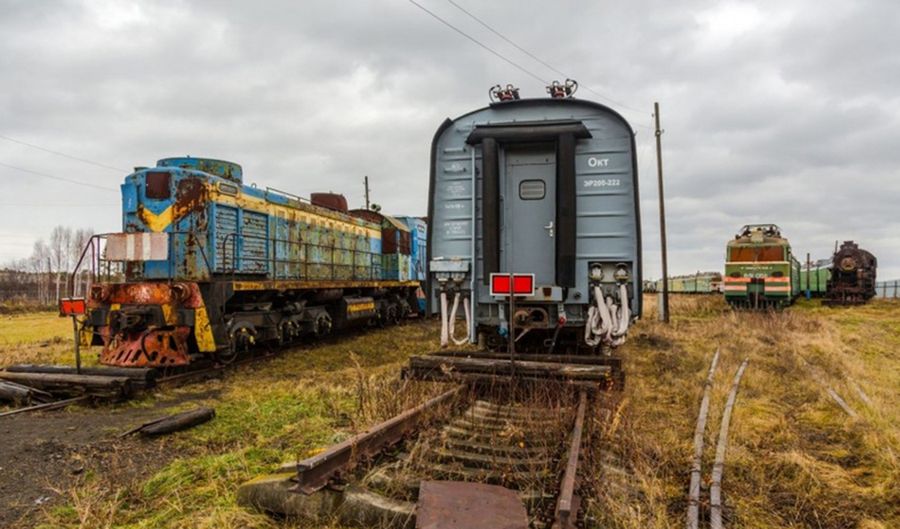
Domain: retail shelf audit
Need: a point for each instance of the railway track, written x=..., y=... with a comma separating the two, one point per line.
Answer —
x=140, y=380
x=502, y=457
x=714, y=505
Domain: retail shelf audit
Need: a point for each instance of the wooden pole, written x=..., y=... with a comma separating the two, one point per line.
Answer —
x=664, y=313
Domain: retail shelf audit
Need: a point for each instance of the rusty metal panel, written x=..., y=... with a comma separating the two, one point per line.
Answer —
x=137, y=246
x=457, y=504
x=254, y=244
x=226, y=231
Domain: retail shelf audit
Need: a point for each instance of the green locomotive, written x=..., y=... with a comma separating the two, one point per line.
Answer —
x=760, y=269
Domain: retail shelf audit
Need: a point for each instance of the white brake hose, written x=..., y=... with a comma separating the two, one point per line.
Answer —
x=445, y=331
x=448, y=320
x=599, y=321
x=624, y=313
x=607, y=322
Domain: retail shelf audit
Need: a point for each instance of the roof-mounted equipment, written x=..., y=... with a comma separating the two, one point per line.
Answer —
x=498, y=93
x=559, y=90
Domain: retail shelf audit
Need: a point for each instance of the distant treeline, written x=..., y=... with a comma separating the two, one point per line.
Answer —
x=40, y=279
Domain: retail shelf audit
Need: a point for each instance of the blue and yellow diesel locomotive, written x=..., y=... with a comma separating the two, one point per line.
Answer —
x=210, y=266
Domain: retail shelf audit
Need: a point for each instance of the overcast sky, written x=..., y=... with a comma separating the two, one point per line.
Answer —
x=774, y=111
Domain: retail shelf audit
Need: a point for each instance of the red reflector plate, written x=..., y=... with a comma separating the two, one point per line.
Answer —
x=72, y=307
x=522, y=284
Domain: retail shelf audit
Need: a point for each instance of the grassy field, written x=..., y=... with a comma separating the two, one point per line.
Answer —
x=795, y=459
x=38, y=337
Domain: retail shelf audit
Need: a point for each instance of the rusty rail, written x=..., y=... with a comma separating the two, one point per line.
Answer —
x=566, y=506
x=693, y=511
x=715, y=489
x=46, y=406
x=314, y=472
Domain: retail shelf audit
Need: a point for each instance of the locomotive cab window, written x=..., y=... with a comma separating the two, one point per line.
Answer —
x=758, y=254
x=532, y=189
x=158, y=185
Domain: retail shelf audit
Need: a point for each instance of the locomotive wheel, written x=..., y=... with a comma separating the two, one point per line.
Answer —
x=241, y=337
x=393, y=314
x=323, y=325
x=288, y=332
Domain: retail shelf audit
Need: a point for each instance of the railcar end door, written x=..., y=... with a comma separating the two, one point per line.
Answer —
x=529, y=231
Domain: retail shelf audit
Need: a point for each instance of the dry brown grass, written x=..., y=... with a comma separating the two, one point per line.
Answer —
x=795, y=459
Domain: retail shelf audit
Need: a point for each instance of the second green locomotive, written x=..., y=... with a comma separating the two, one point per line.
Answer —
x=760, y=269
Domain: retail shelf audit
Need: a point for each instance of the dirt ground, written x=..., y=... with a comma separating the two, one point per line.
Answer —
x=43, y=455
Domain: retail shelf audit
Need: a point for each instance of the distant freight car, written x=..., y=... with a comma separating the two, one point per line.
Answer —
x=213, y=266
x=852, y=280
x=760, y=269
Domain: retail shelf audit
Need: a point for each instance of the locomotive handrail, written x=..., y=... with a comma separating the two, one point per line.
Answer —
x=97, y=259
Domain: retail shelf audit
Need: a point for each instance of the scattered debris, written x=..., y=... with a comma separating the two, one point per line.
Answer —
x=18, y=393
x=174, y=423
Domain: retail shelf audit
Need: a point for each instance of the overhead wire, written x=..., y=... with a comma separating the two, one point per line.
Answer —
x=481, y=44
x=64, y=155
x=59, y=178
x=536, y=58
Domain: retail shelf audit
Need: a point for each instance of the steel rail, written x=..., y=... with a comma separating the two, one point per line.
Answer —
x=47, y=405
x=693, y=510
x=313, y=473
x=566, y=505
x=715, y=489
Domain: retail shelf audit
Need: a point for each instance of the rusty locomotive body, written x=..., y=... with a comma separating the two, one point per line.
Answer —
x=852, y=278
x=208, y=266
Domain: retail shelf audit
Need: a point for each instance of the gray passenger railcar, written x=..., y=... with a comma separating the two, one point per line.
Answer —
x=545, y=190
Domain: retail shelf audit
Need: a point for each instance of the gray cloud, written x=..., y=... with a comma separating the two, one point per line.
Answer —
x=774, y=111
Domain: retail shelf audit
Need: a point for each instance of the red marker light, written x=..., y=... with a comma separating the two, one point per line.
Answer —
x=522, y=284
x=72, y=307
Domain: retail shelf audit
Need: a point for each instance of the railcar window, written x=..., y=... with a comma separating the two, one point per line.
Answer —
x=758, y=254
x=158, y=185
x=532, y=189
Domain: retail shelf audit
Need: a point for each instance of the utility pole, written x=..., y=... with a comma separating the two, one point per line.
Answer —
x=664, y=309
x=367, y=192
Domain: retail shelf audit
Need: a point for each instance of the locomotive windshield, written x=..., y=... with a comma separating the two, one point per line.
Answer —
x=757, y=254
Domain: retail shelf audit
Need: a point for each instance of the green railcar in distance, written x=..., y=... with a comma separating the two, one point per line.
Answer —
x=814, y=278
x=699, y=283
x=760, y=269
